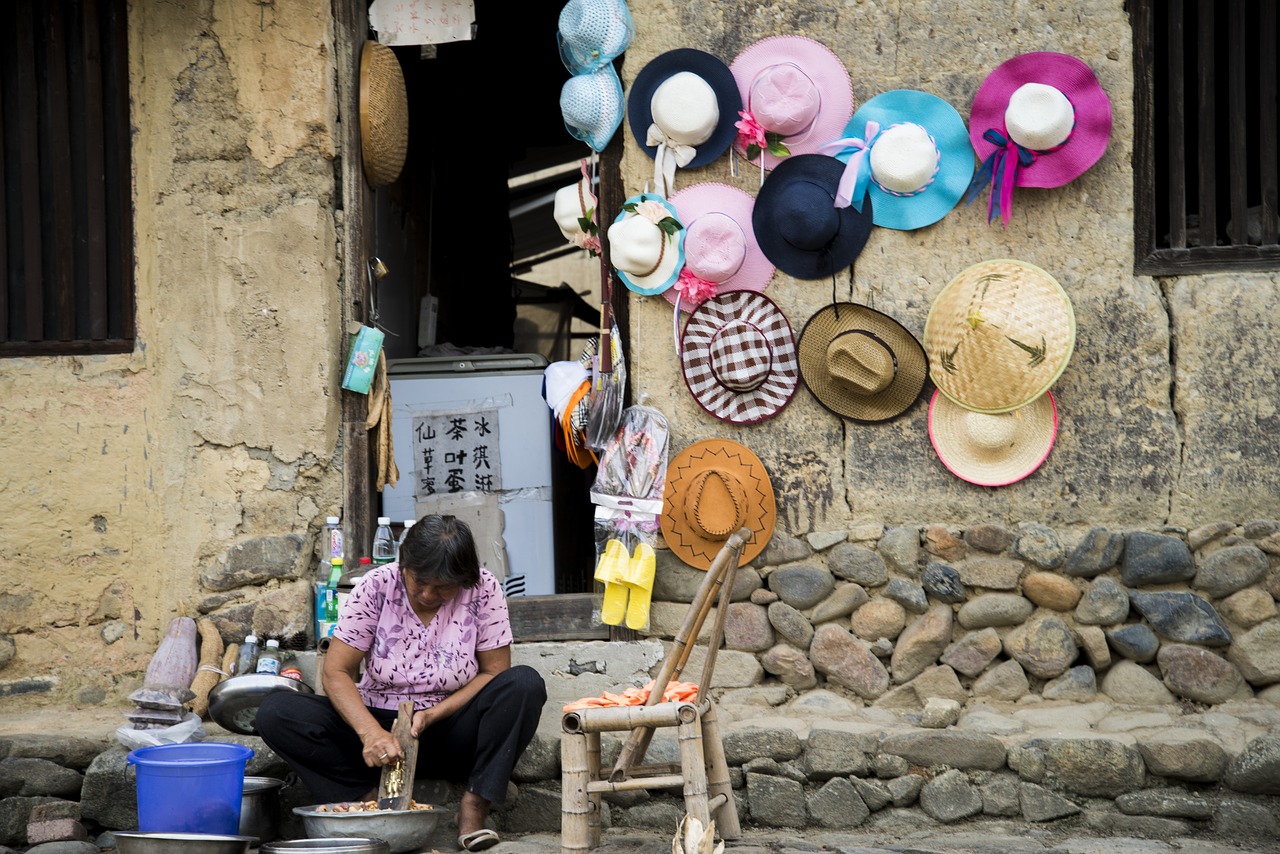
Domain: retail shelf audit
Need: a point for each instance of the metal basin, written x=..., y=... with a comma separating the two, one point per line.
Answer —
x=138, y=842
x=260, y=808
x=354, y=845
x=404, y=830
x=233, y=702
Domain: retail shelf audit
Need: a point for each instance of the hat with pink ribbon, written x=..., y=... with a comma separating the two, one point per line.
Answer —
x=720, y=248
x=1039, y=120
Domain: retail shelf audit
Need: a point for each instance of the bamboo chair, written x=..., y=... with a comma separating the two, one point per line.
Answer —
x=702, y=766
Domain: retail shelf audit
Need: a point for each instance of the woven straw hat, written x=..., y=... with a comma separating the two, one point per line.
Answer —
x=714, y=488
x=384, y=114
x=998, y=335
x=993, y=450
x=860, y=363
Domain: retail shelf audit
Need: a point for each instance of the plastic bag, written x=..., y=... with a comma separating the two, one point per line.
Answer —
x=190, y=728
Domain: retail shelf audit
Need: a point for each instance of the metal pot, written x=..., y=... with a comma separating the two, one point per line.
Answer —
x=260, y=808
x=136, y=842
x=354, y=845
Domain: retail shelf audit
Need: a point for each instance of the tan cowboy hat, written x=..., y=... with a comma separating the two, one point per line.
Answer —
x=714, y=488
x=384, y=114
x=998, y=335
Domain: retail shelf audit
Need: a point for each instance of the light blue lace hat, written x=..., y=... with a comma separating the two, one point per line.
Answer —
x=592, y=106
x=593, y=33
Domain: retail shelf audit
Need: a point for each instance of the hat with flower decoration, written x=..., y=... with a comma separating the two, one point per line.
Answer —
x=646, y=244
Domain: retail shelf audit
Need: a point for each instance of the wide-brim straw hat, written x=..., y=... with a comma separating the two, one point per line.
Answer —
x=831, y=96
x=647, y=259
x=720, y=83
x=1088, y=138
x=738, y=356
x=724, y=203
x=714, y=488
x=998, y=335
x=937, y=185
x=591, y=106
x=993, y=449
x=593, y=33
x=860, y=363
x=797, y=223
x=384, y=114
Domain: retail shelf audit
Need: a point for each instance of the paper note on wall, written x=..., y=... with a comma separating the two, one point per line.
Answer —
x=405, y=22
x=456, y=451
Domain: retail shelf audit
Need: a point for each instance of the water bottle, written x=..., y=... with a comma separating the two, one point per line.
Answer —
x=384, y=545
x=269, y=660
x=332, y=548
x=247, y=660
x=408, y=523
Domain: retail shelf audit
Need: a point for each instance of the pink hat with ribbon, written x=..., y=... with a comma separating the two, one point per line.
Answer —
x=720, y=248
x=1039, y=120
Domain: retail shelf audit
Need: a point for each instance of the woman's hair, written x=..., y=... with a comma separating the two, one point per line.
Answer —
x=441, y=550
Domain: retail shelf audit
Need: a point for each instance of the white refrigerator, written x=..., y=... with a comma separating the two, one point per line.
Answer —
x=472, y=438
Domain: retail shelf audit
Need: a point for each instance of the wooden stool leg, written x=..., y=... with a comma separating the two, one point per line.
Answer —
x=718, y=776
x=593, y=770
x=575, y=803
x=694, y=769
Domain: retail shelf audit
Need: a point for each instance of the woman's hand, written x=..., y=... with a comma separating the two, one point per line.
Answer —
x=380, y=747
x=424, y=718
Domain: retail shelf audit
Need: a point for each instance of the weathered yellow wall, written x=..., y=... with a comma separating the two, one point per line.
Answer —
x=128, y=477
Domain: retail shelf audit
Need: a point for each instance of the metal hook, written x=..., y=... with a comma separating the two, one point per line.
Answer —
x=378, y=271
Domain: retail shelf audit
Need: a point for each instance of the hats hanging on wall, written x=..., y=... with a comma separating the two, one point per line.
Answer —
x=720, y=247
x=384, y=114
x=911, y=152
x=998, y=335
x=682, y=107
x=797, y=223
x=860, y=363
x=574, y=210
x=593, y=33
x=1038, y=120
x=714, y=488
x=646, y=244
x=992, y=449
x=591, y=106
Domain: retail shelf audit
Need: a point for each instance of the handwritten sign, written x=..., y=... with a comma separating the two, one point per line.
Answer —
x=456, y=451
x=404, y=22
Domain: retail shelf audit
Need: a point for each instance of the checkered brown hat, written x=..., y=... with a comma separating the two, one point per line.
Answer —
x=738, y=355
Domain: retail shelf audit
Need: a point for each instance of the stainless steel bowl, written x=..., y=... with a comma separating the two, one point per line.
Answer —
x=354, y=845
x=233, y=702
x=260, y=808
x=138, y=842
x=404, y=830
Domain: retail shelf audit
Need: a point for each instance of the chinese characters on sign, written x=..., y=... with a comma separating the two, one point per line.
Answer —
x=404, y=22
x=456, y=452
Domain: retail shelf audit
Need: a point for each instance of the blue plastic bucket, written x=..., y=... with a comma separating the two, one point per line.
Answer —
x=190, y=788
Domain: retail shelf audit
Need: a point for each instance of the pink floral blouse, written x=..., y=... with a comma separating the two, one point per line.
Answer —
x=409, y=661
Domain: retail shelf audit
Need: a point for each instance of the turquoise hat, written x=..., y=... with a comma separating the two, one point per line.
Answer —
x=910, y=153
x=646, y=244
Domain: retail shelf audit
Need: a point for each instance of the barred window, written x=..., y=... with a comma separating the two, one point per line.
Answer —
x=1205, y=150
x=66, y=224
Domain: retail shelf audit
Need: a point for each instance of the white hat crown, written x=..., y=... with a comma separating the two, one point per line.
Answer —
x=685, y=108
x=991, y=433
x=1039, y=116
x=636, y=245
x=568, y=207
x=904, y=158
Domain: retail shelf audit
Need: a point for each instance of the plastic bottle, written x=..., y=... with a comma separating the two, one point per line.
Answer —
x=247, y=660
x=357, y=572
x=333, y=536
x=384, y=545
x=408, y=523
x=269, y=660
x=331, y=591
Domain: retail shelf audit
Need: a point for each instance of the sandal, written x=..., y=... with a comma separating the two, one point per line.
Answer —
x=479, y=840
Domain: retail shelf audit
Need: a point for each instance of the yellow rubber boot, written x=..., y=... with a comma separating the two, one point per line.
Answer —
x=611, y=571
x=640, y=572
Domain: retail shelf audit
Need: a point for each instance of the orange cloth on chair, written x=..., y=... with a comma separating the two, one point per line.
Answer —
x=676, y=691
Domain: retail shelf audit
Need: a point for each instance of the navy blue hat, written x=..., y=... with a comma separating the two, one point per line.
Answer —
x=797, y=223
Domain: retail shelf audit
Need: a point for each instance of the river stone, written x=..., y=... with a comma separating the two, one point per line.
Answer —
x=792, y=666
x=1130, y=683
x=1044, y=647
x=905, y=790
x=1051, y=590
x=843, y=601
x=846, y=661
x=832, y=753
x=790, y=624
x=994, y=609
x=1199, y=537
x=1155, y=559
x=1257, y=653
x=1182, y=617
x=782, y=548
x=944, y=544
x=1079, y=685
x=837, y=804
x=1093, y=766
x=1104, y=603
x=1039, y=804
x=991, y=573
x=939, y=713
x=1096, y=553
x=676, y=581
x=30, y=776
x=1135, y=641
x=1256, y=769
x=776, y=801
x=1197, y=674
x=1228, y=570
x=879, y=618
x=989, y=538
x=940, y=682
x=972, y=653
x=1039, y=545
x=907, y=594
x=1256, y=529
x=1167, y=802
x=779, y=743
x=1094, y=643
x=900, y=548
x=801, y=586
x=1183, y=755
x=1248, y=607
x=921, y=643
x=858, y=564
x=943, y=583
x=874, y=793
x=950, y=797
x=823, y=540
x=747, y=627
x=1006, y=681
x=950, y=748
x=1000, y=797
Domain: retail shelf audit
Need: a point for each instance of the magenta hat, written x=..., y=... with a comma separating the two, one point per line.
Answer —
x=720, y=244
x=1038, y=120
x=795, y=87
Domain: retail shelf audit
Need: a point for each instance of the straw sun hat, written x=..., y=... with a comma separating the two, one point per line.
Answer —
x=714, y=488
x=998, y=335
x=384, y=114
x=993, y=450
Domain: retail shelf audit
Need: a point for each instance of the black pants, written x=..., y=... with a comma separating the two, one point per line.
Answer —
x=477, y=745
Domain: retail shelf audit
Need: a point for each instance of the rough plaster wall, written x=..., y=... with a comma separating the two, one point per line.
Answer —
x=1151, y=433
x=129, y=475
